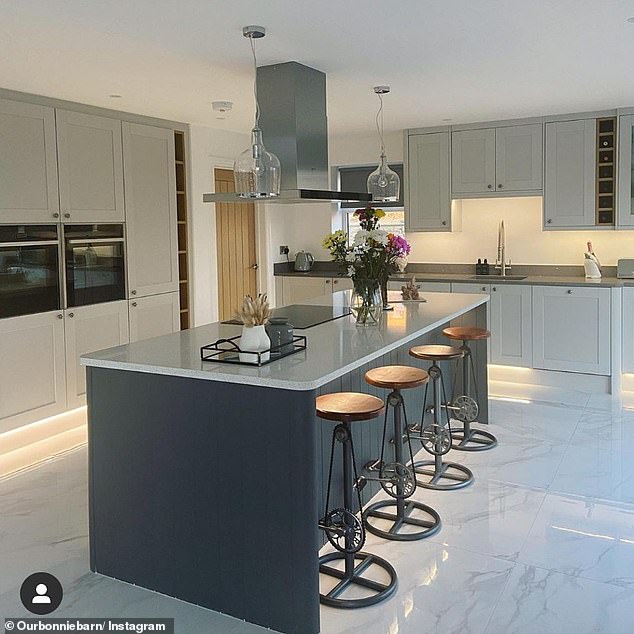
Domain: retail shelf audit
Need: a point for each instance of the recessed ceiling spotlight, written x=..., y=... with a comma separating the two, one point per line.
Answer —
x=630, y=20
x=116, y=96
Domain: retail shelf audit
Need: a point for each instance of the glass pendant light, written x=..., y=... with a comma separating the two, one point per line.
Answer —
x=256, y=172
x=384, y=183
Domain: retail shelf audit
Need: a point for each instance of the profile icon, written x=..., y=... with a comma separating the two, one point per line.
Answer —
x=41, y=593
x=41, y=596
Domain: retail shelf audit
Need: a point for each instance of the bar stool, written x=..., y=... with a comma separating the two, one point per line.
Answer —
x=466, y=406
x=396, y=478
x=342, y=527
x=436, y=438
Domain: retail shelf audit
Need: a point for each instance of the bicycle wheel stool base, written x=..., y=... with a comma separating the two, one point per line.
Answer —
x=469, y=439
x=381, y=591
x=429, y=525
x=458, y=475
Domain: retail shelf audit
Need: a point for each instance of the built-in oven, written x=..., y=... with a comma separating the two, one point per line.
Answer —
x=29, y=269
x=94, y=264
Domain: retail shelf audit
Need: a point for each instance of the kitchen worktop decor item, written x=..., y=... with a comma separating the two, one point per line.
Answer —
x=304, y=261
x=372, y=257
x=280, y=332
x=254, y=314
x=591, y=264
x=229, y=351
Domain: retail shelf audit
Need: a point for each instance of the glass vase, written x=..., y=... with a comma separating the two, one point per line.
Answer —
x=366, y=303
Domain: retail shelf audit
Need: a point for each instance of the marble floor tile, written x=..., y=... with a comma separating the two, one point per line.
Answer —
x=441, y=590
x=583, y=537
x=538, y=601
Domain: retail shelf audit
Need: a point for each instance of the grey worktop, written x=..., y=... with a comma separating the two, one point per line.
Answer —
x=333, y=349
x=608, y=281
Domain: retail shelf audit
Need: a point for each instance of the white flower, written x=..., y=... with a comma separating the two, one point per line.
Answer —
x=351, y=271
x=361, y=236
x=378, y=235
x=350, y=256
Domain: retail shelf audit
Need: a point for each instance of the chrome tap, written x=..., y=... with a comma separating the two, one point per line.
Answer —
x=501, y=263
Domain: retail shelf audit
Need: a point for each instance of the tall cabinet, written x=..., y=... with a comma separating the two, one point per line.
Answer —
x=626, y=172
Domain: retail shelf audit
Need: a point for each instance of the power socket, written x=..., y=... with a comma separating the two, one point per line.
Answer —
x=284, y=250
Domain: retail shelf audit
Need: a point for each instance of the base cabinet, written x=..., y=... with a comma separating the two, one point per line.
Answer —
x=88, y=329
x=510, y=314
x=430, y=287
x=627, y=333
x=571, y=329
x=154, y=316
x=32, y=368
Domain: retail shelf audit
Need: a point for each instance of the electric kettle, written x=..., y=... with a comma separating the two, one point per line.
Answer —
x=304, y=261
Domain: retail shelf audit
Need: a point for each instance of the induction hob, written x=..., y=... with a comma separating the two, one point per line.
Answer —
x=303, y=316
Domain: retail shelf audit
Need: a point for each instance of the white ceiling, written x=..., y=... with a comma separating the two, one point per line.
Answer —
x=465, y=60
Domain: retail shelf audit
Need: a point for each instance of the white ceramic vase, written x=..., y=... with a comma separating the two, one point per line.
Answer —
x=254, y=339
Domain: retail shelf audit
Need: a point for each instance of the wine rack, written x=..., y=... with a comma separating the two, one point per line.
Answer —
x=605, y=171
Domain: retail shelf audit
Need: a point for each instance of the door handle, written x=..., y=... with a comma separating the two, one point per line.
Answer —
x=255, y=267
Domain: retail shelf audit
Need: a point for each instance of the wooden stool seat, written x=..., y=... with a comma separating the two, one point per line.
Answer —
x=466, y=333
x=436, y=352
x=348, y=406
x=396, y=377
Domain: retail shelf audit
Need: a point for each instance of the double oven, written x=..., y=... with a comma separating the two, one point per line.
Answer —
x=48, y=267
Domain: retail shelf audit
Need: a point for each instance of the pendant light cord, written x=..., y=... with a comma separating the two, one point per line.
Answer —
x=255, y=83
x=379, y=127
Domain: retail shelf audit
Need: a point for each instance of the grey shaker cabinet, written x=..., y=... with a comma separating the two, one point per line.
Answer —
x=28, y=163
x=151, y=224
x=569, y=189
x=519, y=160
x=473, y=161
x=510, y=315
x=626, y=172
x=90, y=168
x=427, y=193
x=627, y=325
x=571, y=329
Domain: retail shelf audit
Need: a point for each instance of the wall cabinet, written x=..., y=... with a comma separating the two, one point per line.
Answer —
x=427, y=195
x=28, y=163
x=88, y=329
x=154, y=316
x=571, y=329
x=90, y=168
x=569, y=189
x=627, y=329
x=504, y=159
x=150, y=194
x=473, y=161
x=32, y=368
x=626, y=172
x=510, y=316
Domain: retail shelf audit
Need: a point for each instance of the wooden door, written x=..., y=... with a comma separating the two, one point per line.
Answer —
x=90, y=168
x=473, y=161
x=28, y=163
x=151, y=221
x=237, y=264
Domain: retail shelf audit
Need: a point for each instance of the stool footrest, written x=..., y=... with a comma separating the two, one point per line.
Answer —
x=458, y=475
x=430, y=524
x=382, y=591
x=469, y=439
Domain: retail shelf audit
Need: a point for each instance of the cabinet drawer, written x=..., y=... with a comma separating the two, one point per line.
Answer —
x=465, y=287
x=571, y=329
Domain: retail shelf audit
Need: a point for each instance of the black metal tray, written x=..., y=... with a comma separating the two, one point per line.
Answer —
x=228, y=351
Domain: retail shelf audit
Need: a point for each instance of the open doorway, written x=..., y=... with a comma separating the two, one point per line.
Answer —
x=236, y=247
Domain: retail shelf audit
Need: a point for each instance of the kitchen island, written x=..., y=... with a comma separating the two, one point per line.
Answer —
x=206, y=480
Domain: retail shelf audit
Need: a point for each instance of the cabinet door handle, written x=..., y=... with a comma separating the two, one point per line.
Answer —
x=490, y=186
x=494, y=289
x=66, y=215
x=484, y=288
x=71, y=315
x=569, y=291
x=134, y=304
x=327, y=281
x=60, y=316
x=55, y=215
x=335, y=281
x=444, y=223
x=500, y=185
x=549, y=221
x=132, y=292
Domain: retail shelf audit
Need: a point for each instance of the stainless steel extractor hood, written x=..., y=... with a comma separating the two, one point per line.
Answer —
x=292, y=101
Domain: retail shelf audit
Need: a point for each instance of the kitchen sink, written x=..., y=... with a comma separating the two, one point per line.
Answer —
x=498, y=278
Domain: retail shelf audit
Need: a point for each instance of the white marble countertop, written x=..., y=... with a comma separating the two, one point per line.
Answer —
x=333, y=349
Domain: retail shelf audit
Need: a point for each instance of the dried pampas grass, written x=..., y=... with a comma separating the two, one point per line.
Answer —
x=254, y=311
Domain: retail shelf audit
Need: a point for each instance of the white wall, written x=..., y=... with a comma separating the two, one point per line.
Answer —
x=209, y=148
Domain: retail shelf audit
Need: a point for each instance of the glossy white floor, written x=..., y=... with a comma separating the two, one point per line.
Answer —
x=542, y=542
